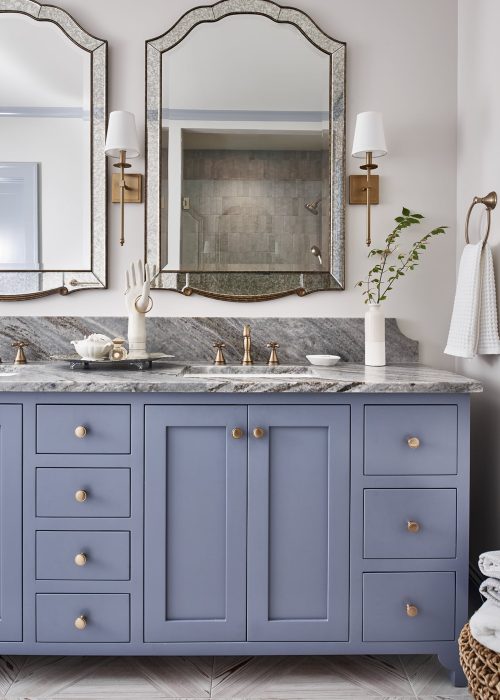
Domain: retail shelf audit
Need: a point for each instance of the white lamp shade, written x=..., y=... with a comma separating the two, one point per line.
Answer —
x=122, y=135
x=369, y=135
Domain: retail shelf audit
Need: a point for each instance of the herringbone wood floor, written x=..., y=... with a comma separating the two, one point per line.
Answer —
x=239, y=678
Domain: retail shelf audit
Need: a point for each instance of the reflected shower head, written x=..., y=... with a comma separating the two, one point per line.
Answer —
x=313, y=206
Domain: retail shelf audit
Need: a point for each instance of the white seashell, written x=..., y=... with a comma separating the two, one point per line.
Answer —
x=95, y=347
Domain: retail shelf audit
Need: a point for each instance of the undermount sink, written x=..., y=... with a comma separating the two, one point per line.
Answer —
x=7, y=370
x=248, y=372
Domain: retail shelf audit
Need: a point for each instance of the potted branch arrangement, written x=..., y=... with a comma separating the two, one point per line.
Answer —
x=391, y=264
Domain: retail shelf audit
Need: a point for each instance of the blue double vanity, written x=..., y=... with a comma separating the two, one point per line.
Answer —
x=180, y=511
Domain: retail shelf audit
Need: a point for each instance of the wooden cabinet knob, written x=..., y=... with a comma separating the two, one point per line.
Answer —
x=80, y=495
x=413, y=526
x=411, y=610
x=80, y=431
x=413, y=442
x=237, y=433
x=81, y=622
x=258, y=433
x=80, y=559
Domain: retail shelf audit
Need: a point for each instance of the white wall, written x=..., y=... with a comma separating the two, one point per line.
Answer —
x=478, y=173
x=401, y=59
x=62, y=149
x=227, y=65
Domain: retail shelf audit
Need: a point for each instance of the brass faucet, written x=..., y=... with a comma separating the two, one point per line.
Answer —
x=247, y=346
x=20, y=356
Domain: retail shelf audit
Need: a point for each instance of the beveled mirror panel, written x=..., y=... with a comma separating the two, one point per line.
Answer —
x=52, y=162
x=245, y=153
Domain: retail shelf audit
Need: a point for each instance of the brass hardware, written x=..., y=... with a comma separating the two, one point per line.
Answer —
x=80, y=431
x=490, y=202
x=357, y=189
x=63, y=291
x=247, y=346
x=20, y=356
x=413, y=442
x=80, y=495
x=219, y=357
x=237, y=433
x=81, y=622
x=413, y=526
x=80, y=559
x=133, y=188
x=273, y=358
x=411, y=610
x=258, y=433
x=299, y=291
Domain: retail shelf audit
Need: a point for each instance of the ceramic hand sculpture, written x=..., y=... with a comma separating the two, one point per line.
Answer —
x=138, y=302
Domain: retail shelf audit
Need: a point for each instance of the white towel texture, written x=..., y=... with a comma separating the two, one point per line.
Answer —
x=474, y=321
x=485, y=625
x=489, y=564
x=490, y=589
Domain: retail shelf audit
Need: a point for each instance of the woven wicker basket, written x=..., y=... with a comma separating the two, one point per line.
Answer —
x=481, y=667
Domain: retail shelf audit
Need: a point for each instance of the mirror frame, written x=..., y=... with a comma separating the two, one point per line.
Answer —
x=66, y=281
x=257, y=286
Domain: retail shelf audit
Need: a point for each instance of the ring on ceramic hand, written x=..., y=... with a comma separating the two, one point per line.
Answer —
x=150, y=305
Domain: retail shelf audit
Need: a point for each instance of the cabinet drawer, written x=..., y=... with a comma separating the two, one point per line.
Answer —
x=106, y=617
x=409, y=439
x=410, y=523
x=82, y=493
x=83, y=555
x=386, y=597
x=106, y=429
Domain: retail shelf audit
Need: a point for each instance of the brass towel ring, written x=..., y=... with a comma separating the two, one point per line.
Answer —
x=490, y=202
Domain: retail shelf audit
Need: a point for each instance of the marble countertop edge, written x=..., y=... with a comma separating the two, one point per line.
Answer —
x=171, y=378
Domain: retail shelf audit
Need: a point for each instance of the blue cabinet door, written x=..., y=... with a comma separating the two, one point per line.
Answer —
x=195, y=524
x=298, y=523
x=10, y=523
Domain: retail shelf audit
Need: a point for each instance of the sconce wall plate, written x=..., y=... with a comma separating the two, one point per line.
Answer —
x=357, y=189
x=133, y=188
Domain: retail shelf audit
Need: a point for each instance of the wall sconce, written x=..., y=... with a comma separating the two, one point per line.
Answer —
x=369, y=143
x=121, y=141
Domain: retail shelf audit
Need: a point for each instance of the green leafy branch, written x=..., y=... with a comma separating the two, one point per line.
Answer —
x=391, y=264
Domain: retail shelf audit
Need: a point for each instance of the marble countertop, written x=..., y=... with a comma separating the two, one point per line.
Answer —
x=171, y=377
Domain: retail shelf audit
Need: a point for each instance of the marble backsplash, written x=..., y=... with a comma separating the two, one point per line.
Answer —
x=191, y=339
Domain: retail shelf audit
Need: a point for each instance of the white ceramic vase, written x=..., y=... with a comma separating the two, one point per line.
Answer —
x=375, y=336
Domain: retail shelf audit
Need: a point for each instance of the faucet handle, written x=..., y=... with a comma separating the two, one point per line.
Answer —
x=273, y=357
x=219, y=357
x=20, y=356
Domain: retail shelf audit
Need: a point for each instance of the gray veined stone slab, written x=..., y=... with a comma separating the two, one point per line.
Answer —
x=191, y=339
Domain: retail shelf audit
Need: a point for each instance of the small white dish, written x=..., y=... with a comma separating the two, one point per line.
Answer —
x=323, y=360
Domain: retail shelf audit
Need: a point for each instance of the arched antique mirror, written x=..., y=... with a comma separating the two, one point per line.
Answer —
x=52, y=162
x=245, y=153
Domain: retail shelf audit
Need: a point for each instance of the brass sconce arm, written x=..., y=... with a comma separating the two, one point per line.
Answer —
x=122, y=164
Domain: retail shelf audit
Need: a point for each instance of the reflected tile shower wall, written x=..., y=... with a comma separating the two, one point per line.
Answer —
x=245, y=210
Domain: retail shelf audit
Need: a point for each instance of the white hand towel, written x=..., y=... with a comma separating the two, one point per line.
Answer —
x=488, y=341
x=462, y=337
x=485, y=625
x=490, y=589
x=474, y=321
x=489, y=564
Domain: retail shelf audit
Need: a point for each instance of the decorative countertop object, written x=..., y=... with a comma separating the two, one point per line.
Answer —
x=323, y=360
x=380, y=280
x=108, y=362
x=93, y=347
